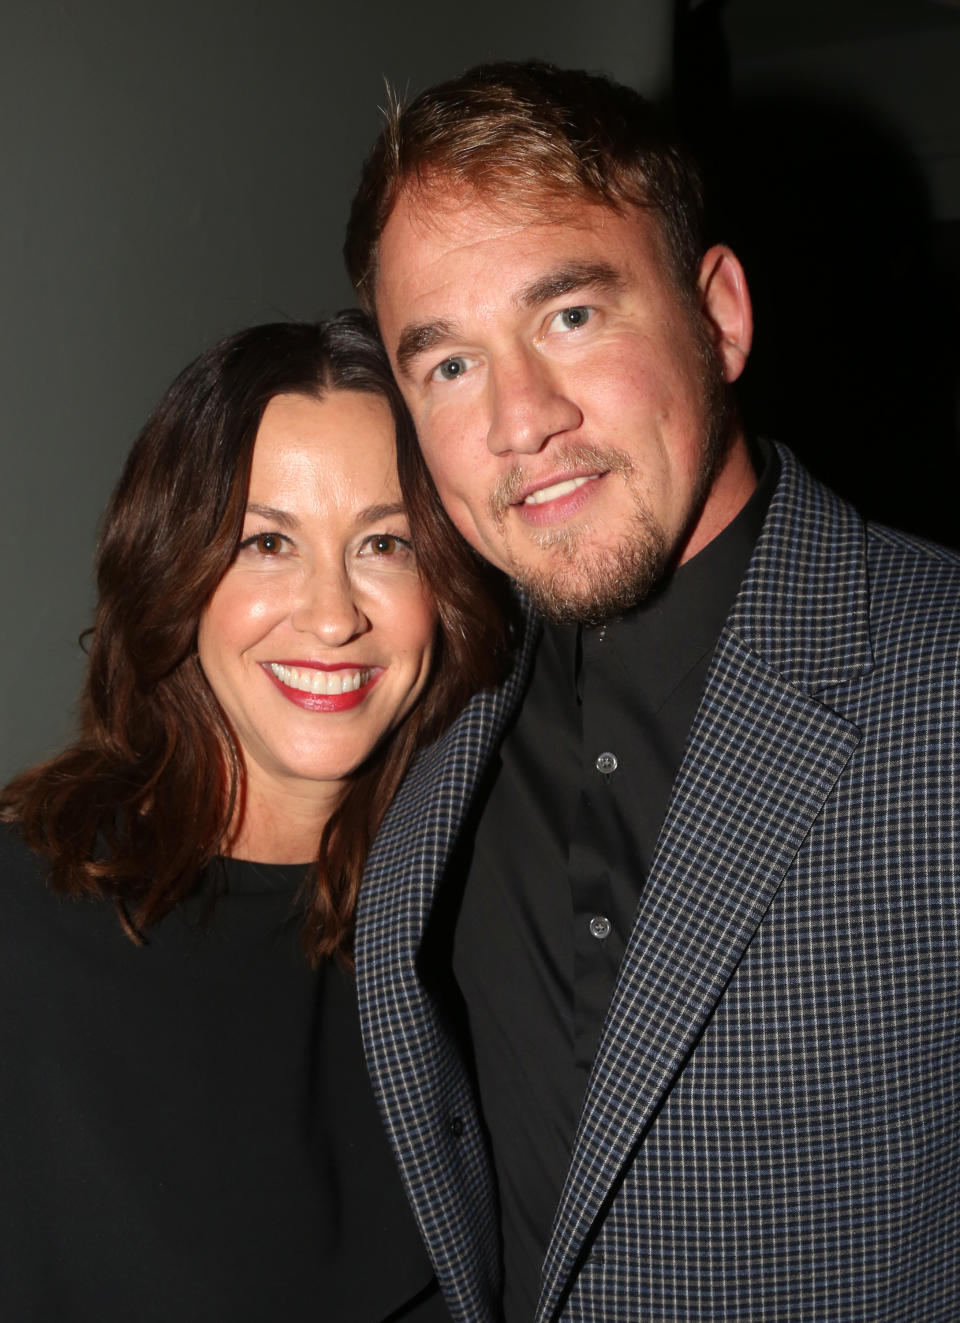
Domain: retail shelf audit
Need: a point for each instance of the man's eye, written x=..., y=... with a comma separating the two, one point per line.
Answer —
x=571, y=319
x=449, y=369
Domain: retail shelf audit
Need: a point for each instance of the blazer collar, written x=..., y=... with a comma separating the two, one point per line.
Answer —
x=804, y=603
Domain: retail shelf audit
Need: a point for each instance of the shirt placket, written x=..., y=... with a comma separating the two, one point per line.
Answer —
x=597, y=845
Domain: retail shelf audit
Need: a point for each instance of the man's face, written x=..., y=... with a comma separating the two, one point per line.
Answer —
x=568, y=397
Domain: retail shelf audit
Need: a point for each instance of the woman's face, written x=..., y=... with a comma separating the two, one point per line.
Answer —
x=318, y=638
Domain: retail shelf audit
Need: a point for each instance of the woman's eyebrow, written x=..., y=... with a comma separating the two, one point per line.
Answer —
x=374, y=513
x=282, y=518
x=370, y=514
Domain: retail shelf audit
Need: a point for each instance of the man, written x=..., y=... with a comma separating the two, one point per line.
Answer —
x=704, y=894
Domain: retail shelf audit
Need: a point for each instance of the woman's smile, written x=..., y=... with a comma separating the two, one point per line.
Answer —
x=337, y=688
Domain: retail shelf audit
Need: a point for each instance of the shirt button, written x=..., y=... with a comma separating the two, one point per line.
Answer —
x=606, y=763
x=600, y=927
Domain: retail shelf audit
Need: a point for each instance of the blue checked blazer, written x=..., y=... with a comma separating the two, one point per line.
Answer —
x=771, y=1130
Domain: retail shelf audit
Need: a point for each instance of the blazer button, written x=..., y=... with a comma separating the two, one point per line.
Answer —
x=456, y=1126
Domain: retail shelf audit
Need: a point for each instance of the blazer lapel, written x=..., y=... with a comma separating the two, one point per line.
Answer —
x=762, y=756
x=423, y=1094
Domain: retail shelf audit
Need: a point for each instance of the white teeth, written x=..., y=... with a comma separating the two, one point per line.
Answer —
x=558, y=489
x=309, y=680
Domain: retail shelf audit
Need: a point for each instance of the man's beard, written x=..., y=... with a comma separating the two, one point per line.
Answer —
x=590, y=586
x=583, y=586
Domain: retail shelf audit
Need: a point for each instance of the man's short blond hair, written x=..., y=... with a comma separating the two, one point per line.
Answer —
x=518, y=134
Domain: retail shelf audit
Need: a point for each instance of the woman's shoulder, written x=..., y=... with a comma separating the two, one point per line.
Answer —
x=20, y=867
x=28, y=914
x=30, y=904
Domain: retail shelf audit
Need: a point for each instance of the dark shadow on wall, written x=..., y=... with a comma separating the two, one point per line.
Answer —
x=856, y=289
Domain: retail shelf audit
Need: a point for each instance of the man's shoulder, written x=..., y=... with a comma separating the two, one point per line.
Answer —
x=830, y=596
x=914, y=595
x=895, y=561
x=894, y=552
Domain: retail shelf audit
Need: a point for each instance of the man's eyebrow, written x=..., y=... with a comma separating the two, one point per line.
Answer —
x=419, y=339
x=569, y=278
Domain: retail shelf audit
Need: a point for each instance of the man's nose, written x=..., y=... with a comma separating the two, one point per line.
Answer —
x=328, y=606
x=528, y=405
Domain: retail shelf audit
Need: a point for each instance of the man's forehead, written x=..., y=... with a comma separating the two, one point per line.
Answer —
x=430, y=222
x=439, y=212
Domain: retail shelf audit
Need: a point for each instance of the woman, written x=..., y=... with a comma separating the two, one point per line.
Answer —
x=188, y=1129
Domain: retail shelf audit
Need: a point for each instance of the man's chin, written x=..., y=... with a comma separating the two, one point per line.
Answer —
x=588, y=590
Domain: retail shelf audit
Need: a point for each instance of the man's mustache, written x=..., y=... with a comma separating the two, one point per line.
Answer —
x=591, y=459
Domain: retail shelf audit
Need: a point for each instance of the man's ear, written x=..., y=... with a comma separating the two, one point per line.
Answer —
x=725, y=302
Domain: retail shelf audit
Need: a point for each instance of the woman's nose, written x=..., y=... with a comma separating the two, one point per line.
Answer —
x=328, y=607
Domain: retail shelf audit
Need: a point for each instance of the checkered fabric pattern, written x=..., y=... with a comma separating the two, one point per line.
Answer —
x=771, y=1130
x=424, y=1097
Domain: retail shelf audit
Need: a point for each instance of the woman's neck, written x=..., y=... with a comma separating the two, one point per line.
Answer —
x=280, y=827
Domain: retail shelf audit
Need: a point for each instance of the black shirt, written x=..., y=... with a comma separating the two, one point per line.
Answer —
x=187, y=1130
x=566, y=835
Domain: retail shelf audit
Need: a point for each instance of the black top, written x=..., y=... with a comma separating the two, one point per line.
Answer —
x=187, y=1130
x=564, y=843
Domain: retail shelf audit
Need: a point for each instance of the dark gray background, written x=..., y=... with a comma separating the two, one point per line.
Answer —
x=173, y=172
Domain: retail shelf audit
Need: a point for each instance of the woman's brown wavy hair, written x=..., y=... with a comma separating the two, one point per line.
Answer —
x=144, y=800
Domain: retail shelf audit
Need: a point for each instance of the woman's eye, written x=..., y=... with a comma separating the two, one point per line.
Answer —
x=449, y=369
x=571, y=319
x=263, y=544
x=386, y=544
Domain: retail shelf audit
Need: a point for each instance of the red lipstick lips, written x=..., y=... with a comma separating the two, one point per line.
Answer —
x=320, y=702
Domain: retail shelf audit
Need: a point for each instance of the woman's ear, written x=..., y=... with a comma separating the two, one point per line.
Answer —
x=725, y=302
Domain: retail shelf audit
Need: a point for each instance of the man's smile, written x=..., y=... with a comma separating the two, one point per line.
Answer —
x=556, y=489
